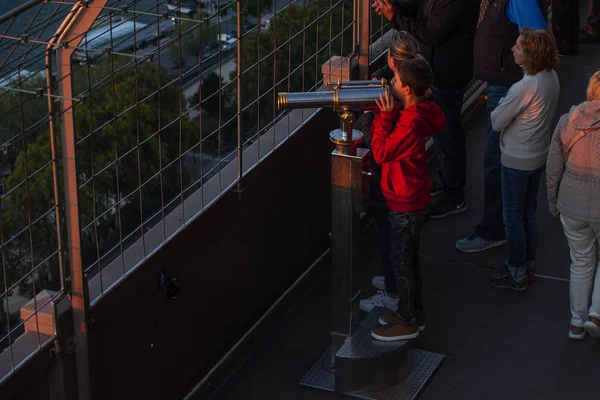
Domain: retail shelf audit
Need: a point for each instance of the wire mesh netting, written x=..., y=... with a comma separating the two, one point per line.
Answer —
x=173, y=101
x=30, y=243
x=163, y=123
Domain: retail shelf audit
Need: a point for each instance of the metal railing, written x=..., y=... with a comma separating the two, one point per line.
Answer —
x=159, y=107
x=196, y=100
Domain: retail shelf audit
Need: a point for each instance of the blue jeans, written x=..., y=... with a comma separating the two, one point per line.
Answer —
x=384, y=234
x=491, y=226
x=519, y=192
x=450, y=144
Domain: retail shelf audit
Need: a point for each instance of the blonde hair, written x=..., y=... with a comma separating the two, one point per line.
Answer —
x=403, y=46
x=593, y=89
x=540, y=51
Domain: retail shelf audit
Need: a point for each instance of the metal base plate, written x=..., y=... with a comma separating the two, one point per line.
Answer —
x=361, y=345
x=424, y=364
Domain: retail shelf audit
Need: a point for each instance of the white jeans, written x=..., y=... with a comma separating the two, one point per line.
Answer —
x=583, y=239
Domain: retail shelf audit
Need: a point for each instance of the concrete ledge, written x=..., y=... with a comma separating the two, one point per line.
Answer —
x=22, y=348
x=41, y=319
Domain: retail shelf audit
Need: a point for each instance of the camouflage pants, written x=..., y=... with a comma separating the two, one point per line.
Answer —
x=405, y=237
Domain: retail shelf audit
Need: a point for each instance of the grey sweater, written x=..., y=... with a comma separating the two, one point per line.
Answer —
x=524, y=117
x=574, y=184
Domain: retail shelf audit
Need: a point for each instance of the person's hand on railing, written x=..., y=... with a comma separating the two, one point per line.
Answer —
x=385, y=7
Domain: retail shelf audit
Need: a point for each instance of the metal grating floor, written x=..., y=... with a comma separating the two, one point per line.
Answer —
x=423, y=365
x=361, y=345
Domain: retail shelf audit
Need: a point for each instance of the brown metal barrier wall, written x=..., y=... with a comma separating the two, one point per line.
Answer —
x=232, y=263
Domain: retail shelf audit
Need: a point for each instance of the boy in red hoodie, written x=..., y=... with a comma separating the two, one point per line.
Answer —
x=398, y=144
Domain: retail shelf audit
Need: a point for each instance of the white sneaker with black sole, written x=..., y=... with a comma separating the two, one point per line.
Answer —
x=380, y=299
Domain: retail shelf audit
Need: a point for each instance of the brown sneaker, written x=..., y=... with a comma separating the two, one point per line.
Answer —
x=386, y=319
x=393, y=332
x=394, y=318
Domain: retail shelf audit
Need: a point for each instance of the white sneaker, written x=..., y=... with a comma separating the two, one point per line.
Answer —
x=590, y=327
x=379, y=282
x=576, y=336
x=379, y=300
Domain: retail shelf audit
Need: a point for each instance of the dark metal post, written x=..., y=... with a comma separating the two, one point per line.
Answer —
x=60, y=385
x=239, y=98
x=362, y=36
x=347, y=202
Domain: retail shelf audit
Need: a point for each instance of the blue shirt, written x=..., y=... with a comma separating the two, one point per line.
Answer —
x=525, y=13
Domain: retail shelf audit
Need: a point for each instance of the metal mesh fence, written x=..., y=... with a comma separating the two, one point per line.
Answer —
x=157, y=115
x=167, y=103
x=171, y=120
x=30, y=219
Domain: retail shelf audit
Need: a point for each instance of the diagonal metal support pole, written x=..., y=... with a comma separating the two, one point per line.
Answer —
x=73, y=33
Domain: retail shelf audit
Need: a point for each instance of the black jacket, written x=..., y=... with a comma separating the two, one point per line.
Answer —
x=445, y=30
x=496, y=35
x=384, y=72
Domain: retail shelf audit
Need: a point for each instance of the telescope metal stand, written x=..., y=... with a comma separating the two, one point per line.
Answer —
x=356, y=364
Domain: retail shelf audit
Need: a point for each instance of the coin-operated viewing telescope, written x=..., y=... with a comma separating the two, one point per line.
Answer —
x=360, y=364
x=350, y=182
x=345, y=97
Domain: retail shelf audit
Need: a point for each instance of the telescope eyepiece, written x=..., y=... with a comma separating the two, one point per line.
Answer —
x=282, y=101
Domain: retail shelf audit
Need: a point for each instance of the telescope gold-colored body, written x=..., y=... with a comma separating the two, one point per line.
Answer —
x=342, y=96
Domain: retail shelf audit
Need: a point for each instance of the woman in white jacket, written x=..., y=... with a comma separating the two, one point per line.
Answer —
x=524, y=118
x=573, y=181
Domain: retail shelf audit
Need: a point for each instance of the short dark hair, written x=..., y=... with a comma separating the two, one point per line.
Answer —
x=416, y=73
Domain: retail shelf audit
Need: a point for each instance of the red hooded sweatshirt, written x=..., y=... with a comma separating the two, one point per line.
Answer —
x=398, y=144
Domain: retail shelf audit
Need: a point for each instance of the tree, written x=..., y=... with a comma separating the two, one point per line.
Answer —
x=114, y=152
x=26, y=217
x=28, y=221
x=108, y=154
x=253, y=8
x=13, y=105
x=211, y=84
x=194, y=36
x=301, y=37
